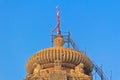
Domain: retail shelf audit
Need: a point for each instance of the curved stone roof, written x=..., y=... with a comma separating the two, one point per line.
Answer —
x=69, y=57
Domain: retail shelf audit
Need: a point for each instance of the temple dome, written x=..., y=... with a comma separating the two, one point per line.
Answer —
x=69, y=57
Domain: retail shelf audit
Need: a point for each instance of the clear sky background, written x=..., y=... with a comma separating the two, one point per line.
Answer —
x=26, y=25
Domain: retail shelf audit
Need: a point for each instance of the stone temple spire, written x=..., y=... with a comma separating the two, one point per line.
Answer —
x=59, y=62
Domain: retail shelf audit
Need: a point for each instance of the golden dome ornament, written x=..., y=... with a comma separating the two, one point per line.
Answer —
x=59, y=41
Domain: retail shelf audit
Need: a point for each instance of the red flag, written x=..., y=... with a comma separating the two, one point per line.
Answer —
x=58, y=20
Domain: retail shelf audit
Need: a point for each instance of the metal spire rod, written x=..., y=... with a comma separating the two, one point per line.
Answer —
x=58, y=21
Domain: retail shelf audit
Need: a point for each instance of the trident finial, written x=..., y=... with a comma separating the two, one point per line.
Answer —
x=58, y=21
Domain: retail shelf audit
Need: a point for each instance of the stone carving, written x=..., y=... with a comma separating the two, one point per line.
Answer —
x=44, y=73
x=80, y=68
x=37, y=69
x=32, y=77
x=57, y=64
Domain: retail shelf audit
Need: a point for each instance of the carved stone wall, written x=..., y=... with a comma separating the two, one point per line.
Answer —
x=58, y=73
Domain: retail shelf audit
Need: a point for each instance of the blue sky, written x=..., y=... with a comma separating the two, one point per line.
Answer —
x=26, y=25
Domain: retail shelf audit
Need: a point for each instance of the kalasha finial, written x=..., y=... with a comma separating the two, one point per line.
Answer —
x=59, y=41
x=58, y=21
